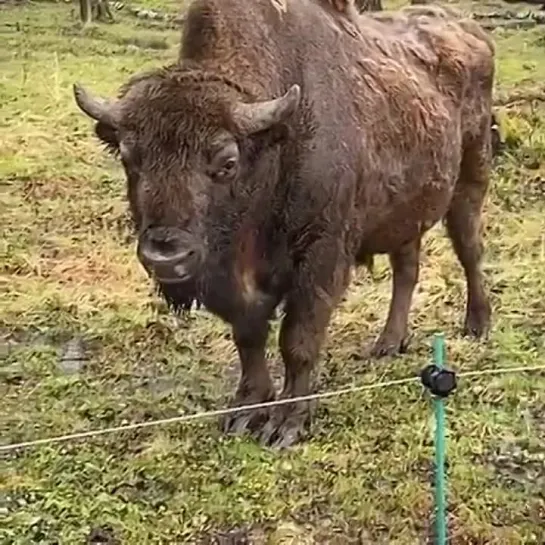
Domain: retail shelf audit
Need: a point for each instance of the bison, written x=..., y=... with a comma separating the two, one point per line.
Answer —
x=286, y=147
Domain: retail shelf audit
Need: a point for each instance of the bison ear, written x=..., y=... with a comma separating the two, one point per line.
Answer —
x=259, y=116
x=108, y=136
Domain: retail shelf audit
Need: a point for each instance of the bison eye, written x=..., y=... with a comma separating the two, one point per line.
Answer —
x=227, y=170
x=224, y=161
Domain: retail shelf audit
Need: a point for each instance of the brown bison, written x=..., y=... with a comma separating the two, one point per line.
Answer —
x=281, y=151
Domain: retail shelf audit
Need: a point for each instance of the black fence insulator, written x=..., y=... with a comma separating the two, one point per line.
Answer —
x=439, y=381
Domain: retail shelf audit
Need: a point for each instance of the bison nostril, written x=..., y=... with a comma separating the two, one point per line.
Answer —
x=169, y=247
x=163, y=246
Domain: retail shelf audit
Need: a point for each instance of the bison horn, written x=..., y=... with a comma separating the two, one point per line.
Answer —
x=97, y=108
x=258, y=116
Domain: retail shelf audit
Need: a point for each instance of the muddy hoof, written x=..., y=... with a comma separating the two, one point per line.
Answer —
x=286, y=426
x=477, y=322
x=388, y=346
x=245, y=421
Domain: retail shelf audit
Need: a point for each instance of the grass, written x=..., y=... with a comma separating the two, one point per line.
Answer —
x=69, y=270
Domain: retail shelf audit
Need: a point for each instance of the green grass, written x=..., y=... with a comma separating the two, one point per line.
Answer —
x=69, y=269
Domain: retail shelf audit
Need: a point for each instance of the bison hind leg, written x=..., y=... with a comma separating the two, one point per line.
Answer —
x=464, y=228
x=367, y=260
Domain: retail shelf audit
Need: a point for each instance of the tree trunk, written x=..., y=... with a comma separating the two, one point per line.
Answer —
x=85, y=11
x=103, y=11
x=368, y=5
x=98, y=10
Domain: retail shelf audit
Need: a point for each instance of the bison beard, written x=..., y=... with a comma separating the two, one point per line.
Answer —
x=179, y=297
x=292, y=141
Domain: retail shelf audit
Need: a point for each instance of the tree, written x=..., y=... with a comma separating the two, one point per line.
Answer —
x=368, y=5
x=99, y=10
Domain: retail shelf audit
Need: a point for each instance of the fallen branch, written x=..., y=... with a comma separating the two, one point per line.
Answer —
x=507, y=14
x=150, y=14
x=521, y=97
x=520, y=23
x=533, y=2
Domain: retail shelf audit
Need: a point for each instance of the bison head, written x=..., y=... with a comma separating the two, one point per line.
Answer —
x=187, y=145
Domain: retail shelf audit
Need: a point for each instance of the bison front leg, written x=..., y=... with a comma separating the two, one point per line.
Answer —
x=307, y=313
x=255, y=385
x=405, y=265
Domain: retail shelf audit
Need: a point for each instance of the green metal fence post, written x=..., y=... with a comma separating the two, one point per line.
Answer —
x=441, y=382
x=439, y=406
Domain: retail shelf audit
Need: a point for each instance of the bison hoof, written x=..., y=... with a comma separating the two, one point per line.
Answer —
x=477, y=323
x=286, y=426
x=389, y=345
x=239, y=423
x=244, y=421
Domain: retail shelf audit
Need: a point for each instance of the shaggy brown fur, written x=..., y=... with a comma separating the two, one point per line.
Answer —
x=408, y=15
x=277, y=201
